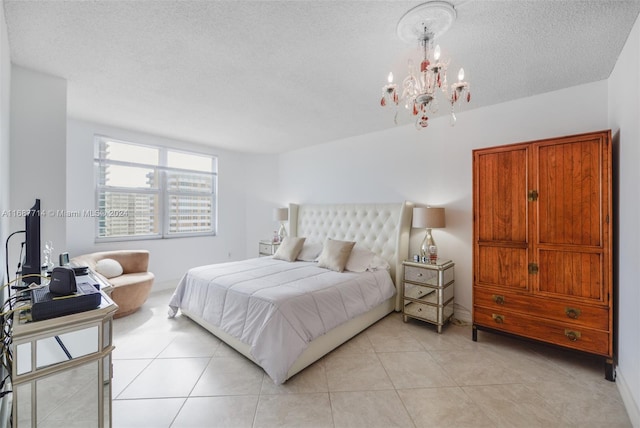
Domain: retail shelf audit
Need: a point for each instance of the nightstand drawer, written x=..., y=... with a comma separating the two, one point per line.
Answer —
x=436, y=296
x=266, y=248
x=436, y=314
x=423, y=276
x=412, y=291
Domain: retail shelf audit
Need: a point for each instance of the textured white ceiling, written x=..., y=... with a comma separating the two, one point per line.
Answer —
x=272, y=76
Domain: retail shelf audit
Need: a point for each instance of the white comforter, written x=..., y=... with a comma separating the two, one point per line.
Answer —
x=278, y=307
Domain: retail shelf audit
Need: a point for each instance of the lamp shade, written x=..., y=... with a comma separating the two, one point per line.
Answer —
x=281, y=214
x=428, y=218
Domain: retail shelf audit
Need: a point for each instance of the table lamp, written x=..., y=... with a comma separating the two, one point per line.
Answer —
x=428, y=218
x=281, y=215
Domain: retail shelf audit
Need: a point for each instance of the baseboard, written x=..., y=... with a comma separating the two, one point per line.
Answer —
x=629, y=403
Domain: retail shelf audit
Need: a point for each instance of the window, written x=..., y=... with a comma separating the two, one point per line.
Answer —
x=153, y=192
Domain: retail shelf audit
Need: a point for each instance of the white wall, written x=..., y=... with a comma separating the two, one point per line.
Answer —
x=624, y=111
x=38, y=139
x=433, y=166
x=5, y=94
x=245, y=182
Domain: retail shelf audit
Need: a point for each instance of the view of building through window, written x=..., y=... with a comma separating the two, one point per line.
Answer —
x=147, y=191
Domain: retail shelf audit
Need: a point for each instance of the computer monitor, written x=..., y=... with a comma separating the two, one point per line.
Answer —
x=31, y=263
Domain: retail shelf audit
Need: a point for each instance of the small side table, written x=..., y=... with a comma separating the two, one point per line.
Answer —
x=427, y=291
x=267, y=248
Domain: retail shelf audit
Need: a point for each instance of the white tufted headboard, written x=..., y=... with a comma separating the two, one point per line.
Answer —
x=382, y=228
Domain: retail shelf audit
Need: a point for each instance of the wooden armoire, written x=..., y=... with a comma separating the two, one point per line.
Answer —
x=542, y=253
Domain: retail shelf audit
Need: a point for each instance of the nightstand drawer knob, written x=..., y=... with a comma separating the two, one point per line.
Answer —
x=420, y=274
x=499, y=319
x=498, y=299
x=572, y=313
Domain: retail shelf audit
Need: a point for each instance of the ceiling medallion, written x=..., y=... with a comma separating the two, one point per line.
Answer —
x=420, y=88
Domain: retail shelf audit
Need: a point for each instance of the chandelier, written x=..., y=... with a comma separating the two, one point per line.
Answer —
x=421, y=87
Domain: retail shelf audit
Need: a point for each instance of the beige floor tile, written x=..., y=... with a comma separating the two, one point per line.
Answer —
x=452, y=338
x=356, y=372
x=191, y=344
x=392, y=337
x=156, y=413
x=225, y=350
x=222, y=412
x=414, y=370
x=369, y=409
x=392, y=374
x=229, y=376
x=294, y=410
x=166, y=378
x=514, y=405
x=124, y=372
x=443, y=407
x=476, y=367
x=584, y=404
x=359, y=344
x=311, y=379
x=140, y=344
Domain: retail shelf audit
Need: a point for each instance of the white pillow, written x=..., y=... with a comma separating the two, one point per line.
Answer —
x=310, y=251
x=359, y=259
x=362, y=259
x=378, y=263
x=109, y=268
x=289, y=249
x=335, y=254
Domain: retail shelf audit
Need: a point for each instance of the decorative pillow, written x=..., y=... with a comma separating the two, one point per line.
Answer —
x=109, y=268
x=310, y=251
x=289, y=249
x=335, y=254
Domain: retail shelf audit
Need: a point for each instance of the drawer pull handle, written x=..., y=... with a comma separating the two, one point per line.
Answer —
x=498, y=299
x=572, y=335
x=419, y=275
x=499, y=319
x=572, y=313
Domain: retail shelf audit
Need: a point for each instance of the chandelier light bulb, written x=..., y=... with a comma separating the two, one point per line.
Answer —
x=461, y=75
x=390, y=77
x=436, y=53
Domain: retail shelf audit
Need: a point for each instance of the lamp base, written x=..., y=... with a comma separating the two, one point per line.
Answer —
x=282, y=232
x=429, y=249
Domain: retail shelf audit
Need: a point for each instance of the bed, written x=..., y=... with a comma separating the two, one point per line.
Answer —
x=241, y=302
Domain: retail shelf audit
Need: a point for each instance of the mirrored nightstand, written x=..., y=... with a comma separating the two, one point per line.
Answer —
x=267, y=248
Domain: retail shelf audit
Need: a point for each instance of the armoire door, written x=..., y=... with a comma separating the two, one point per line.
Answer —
x=501, y=236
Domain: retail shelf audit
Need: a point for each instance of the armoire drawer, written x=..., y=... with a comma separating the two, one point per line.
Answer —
x=563, y=334
x=575, y=313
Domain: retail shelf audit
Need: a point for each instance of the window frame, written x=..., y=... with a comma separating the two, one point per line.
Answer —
x=162, y=191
